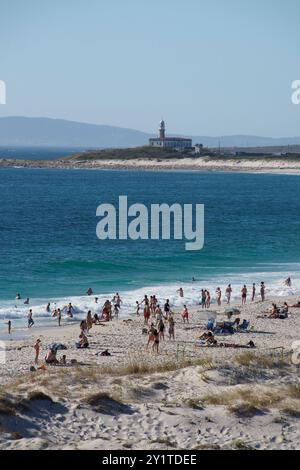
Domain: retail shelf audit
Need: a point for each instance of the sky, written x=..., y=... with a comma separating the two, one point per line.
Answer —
x=208, y=67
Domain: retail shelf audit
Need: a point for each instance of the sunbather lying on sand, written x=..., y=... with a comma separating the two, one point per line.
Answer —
x=208, y=339
x=297, y=305
x=276, y=312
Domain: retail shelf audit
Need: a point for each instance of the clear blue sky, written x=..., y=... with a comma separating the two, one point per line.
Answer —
x=209, y=67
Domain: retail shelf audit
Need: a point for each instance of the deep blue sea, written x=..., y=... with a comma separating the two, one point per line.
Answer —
x=50, y=251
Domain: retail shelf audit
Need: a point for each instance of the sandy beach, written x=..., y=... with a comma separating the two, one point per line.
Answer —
x=258, y=165
x=184, y=397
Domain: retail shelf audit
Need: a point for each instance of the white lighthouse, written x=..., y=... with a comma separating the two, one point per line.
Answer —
x=162, y=130
x=176, y=143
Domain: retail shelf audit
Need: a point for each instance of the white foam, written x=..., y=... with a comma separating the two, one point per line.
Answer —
x=17, y=311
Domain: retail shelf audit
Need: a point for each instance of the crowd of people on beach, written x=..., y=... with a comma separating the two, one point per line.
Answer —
x=155, y=317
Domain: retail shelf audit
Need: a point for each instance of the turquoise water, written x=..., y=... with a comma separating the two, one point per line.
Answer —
x=50, y=252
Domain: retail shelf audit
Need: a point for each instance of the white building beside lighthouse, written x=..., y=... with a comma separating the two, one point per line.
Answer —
x=177, y=143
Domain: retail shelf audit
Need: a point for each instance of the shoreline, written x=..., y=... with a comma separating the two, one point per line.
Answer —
x=184, y=397
x=272, y=166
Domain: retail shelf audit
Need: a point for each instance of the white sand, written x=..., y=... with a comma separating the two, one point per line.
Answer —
x=203, y=163
x=156, y=410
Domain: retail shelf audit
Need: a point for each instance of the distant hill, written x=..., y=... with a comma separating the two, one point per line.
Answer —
x=24, y=131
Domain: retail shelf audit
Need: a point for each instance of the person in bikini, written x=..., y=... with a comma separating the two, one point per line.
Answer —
x=218, y=296
x=185, y=314
x=244, y=295
x=228, y=293
x=146, y=313
x=253, y=292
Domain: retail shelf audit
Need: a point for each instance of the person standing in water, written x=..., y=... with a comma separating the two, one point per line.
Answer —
x=207, y=299
x=167, y=308
x=30, y=319
x=218, y=296
x=9, y=327
x=58, y=316
x=288, y=282
x=180, y=291
x=228, y=293
x=244, y=295
x=203, y=298
x=253, y=292
x=70, y=310
x=262, y=291
x=48, y=308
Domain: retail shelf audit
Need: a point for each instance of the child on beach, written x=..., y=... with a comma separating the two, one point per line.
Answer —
x=137, y=308
x=36, y=347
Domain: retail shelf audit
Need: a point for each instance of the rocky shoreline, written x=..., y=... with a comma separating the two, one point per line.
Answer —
x=180, y=164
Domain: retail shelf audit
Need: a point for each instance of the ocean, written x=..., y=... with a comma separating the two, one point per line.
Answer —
x=50, y=251
x=37, y=153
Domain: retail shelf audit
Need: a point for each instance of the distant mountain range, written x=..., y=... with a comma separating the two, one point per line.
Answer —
x=25, y=131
